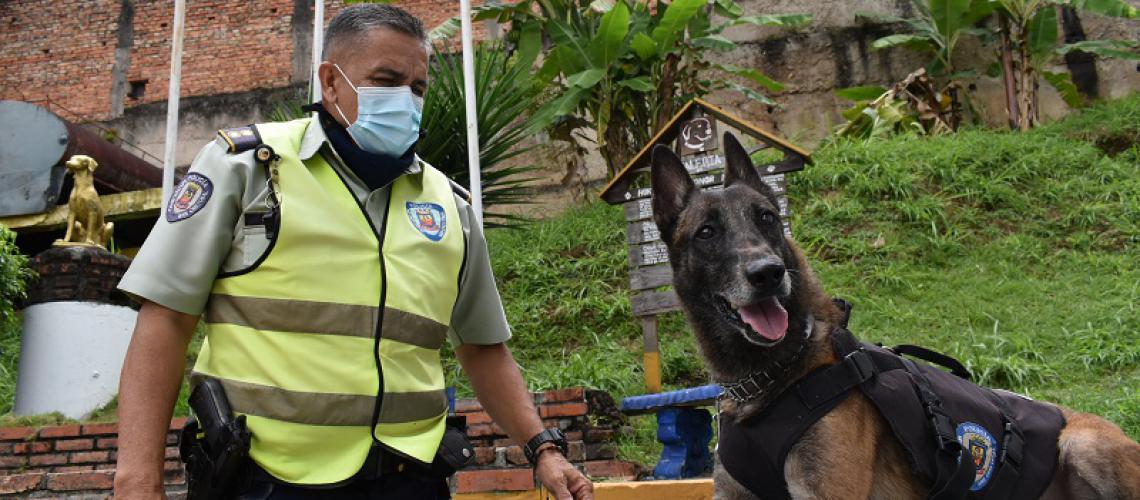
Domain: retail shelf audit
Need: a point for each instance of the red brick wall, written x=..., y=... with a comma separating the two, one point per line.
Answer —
x=588, y=418
x=59, y=49
x=64, y=50
x=77, y=460
x=228, y=47
x=71, y=459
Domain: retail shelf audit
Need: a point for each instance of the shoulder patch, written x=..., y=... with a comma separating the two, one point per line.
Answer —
x=240, y=139
x=189, y=197
x=983, y=449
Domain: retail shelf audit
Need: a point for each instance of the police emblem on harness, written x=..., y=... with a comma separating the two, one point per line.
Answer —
x=429, y=219
x=189, y=197
x=982, y=448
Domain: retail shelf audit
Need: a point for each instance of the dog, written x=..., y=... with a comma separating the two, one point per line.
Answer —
x=85, y=225
x=756, y=307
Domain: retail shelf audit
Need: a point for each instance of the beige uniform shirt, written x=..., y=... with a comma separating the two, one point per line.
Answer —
x=179, y=261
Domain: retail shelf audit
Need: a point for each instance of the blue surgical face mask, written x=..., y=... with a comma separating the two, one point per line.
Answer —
x=387, y=118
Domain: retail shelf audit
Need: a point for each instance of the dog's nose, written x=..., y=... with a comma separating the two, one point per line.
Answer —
x=765, y=273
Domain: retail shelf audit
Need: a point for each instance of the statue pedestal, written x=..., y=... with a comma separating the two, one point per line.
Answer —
x=76, y=330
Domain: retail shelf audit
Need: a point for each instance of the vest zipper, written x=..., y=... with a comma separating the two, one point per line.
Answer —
x=380, y=318
x=380, y=232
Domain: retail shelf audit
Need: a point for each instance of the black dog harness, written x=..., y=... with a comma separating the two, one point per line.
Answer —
x=968, y=441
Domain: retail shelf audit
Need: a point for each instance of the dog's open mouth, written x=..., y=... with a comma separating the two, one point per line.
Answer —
x=763, y=323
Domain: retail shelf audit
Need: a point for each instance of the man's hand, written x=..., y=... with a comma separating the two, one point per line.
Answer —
x=500, y=388
x=562, y=478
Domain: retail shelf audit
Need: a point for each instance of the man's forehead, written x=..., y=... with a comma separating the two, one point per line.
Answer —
x=375, y=44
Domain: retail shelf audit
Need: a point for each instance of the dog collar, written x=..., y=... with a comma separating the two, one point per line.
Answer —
x=758, y=382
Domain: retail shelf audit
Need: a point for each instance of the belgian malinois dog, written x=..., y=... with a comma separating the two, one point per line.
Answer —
x=754, y=304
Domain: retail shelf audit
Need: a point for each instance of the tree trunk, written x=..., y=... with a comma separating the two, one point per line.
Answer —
x=616, y=148
x=1007, y=73
x=1027, y=83
x=665, y=91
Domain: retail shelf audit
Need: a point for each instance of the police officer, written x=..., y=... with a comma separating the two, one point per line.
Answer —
x=328, y=264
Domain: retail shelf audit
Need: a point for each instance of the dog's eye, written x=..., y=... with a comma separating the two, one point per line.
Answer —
x=767, y=218
x=705, y=232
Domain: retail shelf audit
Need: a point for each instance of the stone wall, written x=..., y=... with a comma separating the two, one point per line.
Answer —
x=78, y=461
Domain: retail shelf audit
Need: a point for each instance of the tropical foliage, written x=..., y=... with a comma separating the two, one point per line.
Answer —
x=14, y=274
x=938, y=29
x=506, y=97
x=912, y=105
x=622, y=67
x=1027, y=35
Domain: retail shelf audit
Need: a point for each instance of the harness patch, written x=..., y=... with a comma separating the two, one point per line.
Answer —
x=983, y=449
x=189, y=197
x=429, y=219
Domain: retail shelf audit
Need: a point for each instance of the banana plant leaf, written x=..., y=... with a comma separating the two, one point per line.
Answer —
x=506, y=96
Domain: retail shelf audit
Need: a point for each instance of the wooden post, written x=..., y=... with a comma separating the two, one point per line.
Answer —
x=652, y=360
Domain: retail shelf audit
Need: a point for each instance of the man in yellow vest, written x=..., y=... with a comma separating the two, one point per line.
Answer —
x=328, y=264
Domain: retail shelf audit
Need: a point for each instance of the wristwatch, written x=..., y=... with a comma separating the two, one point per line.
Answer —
x=547, y=436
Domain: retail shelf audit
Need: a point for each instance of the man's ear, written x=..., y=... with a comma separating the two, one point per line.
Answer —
x=327, y=74
x=739, y=169
x=672, y=188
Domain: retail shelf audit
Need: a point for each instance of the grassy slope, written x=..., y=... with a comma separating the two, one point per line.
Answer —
x=1016, y=253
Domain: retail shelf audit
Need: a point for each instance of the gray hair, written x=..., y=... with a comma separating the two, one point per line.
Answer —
x=359, y=19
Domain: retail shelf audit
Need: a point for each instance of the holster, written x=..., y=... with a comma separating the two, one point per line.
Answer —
x=214, y=445
x=455, y=451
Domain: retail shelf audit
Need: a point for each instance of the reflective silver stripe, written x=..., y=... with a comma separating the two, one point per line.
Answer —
x=327, y=318
x=413, y=329
x=314, y=408
x=286, y=315
x=401, y=407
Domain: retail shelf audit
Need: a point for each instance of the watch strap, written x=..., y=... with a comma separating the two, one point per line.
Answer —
x=554, y=436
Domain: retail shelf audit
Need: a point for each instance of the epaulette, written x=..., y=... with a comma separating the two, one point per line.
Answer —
x=460, y=191
x=239, y=139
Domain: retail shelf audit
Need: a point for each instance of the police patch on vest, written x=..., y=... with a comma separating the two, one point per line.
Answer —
x=189, y=197
x=982, y=448
x=429, y=219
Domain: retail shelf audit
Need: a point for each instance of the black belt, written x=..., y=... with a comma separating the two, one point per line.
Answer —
x=380, y=462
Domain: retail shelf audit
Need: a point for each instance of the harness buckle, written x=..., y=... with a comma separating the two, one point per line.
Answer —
x=943, y=429
x=1013, y=446
x=862, y=363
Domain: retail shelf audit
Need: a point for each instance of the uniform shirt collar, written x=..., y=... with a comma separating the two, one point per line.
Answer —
x=315, y=138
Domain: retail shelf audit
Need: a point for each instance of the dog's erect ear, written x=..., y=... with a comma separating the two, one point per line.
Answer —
x=672, y=187
x=739, y=168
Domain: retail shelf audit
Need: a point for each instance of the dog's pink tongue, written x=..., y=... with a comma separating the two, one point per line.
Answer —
x=768, y=318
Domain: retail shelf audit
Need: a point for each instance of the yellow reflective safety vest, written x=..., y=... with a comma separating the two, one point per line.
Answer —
x=331, y=340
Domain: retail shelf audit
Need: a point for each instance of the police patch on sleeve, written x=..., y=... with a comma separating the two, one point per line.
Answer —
x=429, y=219
x=983, y=450
x=189, y=197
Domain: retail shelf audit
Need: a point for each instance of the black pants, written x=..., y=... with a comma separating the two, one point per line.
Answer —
x=396, y=486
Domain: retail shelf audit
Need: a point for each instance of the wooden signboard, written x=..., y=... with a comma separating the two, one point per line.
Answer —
x=694, y=135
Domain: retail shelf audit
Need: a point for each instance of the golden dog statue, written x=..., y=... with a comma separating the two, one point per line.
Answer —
x=85, y=224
